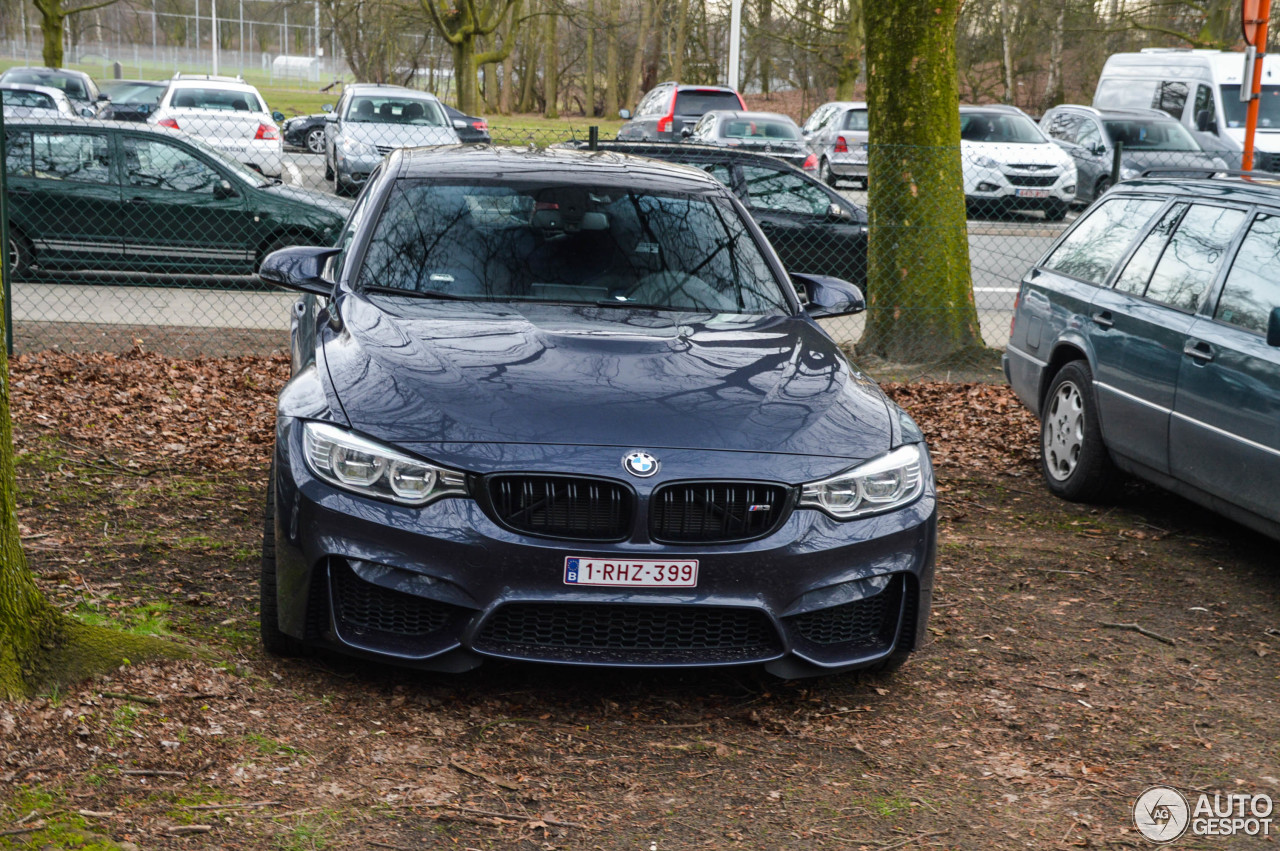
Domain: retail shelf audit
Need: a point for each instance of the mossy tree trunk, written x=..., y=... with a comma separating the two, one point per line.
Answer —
x=551, y=68
x=463, y=25
x=920, y=293
x=53, y=18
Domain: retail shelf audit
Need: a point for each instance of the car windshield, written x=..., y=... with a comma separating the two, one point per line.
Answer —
x=1268, y=107
x=1143, y=135
x=999, y=127
x=226, y=100
x=420, y=112
x=700, y=101
x=133, y=93
x=579, y=244
x=757, y=129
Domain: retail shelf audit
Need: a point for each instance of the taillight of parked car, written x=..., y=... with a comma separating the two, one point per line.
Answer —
x=810, y=162
x=1014, y=318
x=664, y=123
x=267, y=131
x=842, y=147
x=481, y=125
x=169, y=122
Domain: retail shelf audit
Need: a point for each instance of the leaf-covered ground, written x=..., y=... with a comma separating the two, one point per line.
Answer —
x=1026, y=723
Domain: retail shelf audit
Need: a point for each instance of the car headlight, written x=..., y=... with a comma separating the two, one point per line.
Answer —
x=985, y=162
x=360, y=465
x=881, y=484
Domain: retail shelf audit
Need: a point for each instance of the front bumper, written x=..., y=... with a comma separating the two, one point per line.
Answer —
x=1020, y=188
x=445, y=587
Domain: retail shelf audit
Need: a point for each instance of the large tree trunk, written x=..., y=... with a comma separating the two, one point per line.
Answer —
x=1006, y=51
x=1054, y=90
x=682, y=38
x=52, y=21
x=551, y=68
x=464, y=74
x=921, y=298
x=508, y=84
x=613, y=80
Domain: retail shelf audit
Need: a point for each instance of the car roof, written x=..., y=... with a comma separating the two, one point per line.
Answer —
x=97, y=124
x=1116, y=112
x=1248, y=187
x=695, y=153
x=212, y=83
x=52, y=91
x=847, y=104
x=45, y=69
x=991, y=107
x=357, y=88
x=569, y=164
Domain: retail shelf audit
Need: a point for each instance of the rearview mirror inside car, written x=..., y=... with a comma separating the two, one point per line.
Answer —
x=298, y=268
x=829, y=296
x=1273, y=328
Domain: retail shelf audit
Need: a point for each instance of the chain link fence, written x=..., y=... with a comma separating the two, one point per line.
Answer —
x=121, y=234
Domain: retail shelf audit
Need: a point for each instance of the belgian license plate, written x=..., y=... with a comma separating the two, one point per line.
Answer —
x=630, y=573
x=1033, y=193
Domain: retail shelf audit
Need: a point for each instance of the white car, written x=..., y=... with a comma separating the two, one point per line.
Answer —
x=1010, y=165
x=226, y=113
x=27, y=100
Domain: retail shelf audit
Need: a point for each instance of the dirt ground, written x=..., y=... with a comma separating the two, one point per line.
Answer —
x=1027, y=722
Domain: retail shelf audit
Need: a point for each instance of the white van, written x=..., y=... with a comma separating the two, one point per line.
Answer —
x=1200, y=88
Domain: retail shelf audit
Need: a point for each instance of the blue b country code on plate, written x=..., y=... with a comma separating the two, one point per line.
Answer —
x=580, y=570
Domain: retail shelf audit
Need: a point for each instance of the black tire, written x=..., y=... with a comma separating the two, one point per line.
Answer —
x=1103, y=185
x=1075, y=462
x=315, y=140
x=1055, y=211
x=19, y=254
x=826, y=175
x=274, y=641
x=328, y=170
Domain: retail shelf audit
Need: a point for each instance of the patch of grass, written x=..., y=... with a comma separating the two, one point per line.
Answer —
x=147, y=619
x=60, y=828
x=268, y=746
x=888, y=807
x=122, y=722
x=308, y=833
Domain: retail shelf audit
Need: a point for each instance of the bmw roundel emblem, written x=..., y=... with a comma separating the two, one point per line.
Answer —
x=640, y=464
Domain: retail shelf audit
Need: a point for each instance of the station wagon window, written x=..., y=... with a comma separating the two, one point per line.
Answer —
x=20, y=99
x=1137, y=272
x=1194, y=253
x=1091, y=250
x=1064, y=127
x=1205, y=110
x=77, y=157
x=1252, y=289
x=1089, y=136
x=855, y=119
x=770, y=189
x=17, y=161
x=155, y=164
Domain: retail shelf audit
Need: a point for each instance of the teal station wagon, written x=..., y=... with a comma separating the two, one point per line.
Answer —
x=106, y=195
x=1148, y=341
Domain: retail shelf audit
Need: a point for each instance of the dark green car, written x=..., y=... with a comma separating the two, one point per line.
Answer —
x=102, y=195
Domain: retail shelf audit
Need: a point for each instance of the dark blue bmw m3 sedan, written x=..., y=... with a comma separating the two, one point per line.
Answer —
x=568, y=407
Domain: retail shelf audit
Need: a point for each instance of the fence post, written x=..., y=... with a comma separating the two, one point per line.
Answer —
x=4, y=233
x=1115, y=163
x=593, y=137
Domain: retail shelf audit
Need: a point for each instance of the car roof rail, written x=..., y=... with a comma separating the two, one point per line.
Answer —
x=178, y=75
x=1208, y=172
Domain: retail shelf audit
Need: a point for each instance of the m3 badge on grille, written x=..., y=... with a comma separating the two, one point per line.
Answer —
x=640, y=464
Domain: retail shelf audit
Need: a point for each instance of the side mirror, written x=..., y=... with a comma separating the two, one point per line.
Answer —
x=331, y=118
x=298, y=268
x=222, y=190
x=277, y=115
x=829, y=296
x=624, y=114
x=103, y=96
x=836, y=213
x=1273, y=328
x=1098, y=149
x=328, y=107
x=86, y=112
x=686, y=133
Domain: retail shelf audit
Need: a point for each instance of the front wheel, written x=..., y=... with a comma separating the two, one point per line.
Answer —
x=19, y=254
x=1056, y=211
x=315, y=140
x=1103, y=185
x=1075, y=461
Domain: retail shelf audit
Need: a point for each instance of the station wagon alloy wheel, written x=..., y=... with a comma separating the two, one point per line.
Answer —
x=1063, y=431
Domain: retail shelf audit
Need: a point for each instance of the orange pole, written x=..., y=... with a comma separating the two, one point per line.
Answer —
x=1251, y=117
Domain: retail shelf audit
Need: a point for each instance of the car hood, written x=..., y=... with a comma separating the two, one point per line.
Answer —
x=339, y=207
x=398, y=135
x=430, y=372
x=1010, y=153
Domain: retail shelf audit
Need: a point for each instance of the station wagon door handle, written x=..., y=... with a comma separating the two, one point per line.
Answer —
x=1103, y=319
x=1198, y=350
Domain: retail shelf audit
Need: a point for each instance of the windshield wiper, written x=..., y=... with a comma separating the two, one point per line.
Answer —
x=613, y=302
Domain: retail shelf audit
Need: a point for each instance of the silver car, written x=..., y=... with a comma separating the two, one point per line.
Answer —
x=370, y=121
x=23, y=100
x=759, y=132
x=836, y=132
